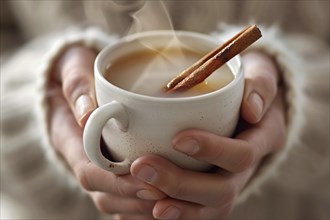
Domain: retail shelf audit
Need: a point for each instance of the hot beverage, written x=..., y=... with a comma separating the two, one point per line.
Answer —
x=132, y=124
x=147, y=71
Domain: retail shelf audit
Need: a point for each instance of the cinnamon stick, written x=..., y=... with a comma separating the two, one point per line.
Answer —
x=203, y=68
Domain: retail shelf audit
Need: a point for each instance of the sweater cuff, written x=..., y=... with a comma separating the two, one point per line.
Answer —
x=91, y=37
x=273, y=43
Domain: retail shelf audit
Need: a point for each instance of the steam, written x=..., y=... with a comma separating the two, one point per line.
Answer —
x=132, y=17
x=152, y=15
x=129, y=17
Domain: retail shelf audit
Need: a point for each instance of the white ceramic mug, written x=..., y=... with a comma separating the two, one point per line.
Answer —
x=141, y=124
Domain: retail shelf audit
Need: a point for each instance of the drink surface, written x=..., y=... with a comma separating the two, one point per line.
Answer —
x=147, y=71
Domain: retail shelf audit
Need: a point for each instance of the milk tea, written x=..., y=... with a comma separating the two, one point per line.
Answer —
x=147, y=71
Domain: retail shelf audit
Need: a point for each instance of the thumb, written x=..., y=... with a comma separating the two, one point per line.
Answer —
x=76, y=75
x=261, y=77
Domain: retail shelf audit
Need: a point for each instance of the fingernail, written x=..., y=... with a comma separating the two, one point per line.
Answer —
x=187, y=146
x=147, y=195
x=83, y=107
x=171, y=212
x=147, y=173
x=256, y=104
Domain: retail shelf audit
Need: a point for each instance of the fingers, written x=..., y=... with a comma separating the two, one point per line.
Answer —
x=111, y=193
x=132, y=217
x=247, y=148
x=66, y=137
x=110, y=204
x=270, y=133
x=184, y=184
x=191, y=195
x=175, y=209
x=233, y=155
x=239, y=153
x=261, y=77
x=96, y=179
x=188, y=196
x=75, y=72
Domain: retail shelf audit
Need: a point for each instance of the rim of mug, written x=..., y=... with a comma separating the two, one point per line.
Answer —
x=104, y=53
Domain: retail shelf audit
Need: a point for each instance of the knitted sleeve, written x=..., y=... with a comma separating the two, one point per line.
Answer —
x=34, y=180
x=294, y=59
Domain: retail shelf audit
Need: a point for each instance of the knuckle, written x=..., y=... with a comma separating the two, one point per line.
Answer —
x=216, y=154
x=176, y=190
x=119, y=186
x=247, y=159
x=83, y=179
x=119, y=190
x=268, y=83
x=75, y=83
x=144, y=207
x=101, y=203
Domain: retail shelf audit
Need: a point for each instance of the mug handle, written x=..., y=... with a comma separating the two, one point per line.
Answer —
x=93, y=131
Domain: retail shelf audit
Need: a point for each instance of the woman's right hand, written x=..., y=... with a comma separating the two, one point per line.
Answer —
x=71, y=99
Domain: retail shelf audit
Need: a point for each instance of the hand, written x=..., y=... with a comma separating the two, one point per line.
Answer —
x=71, y=99
x=196, y=195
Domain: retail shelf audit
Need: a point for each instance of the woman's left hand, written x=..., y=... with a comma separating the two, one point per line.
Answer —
x=197, y=195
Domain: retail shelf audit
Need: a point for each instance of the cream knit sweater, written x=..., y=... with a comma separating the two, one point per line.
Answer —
x=294, y=184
